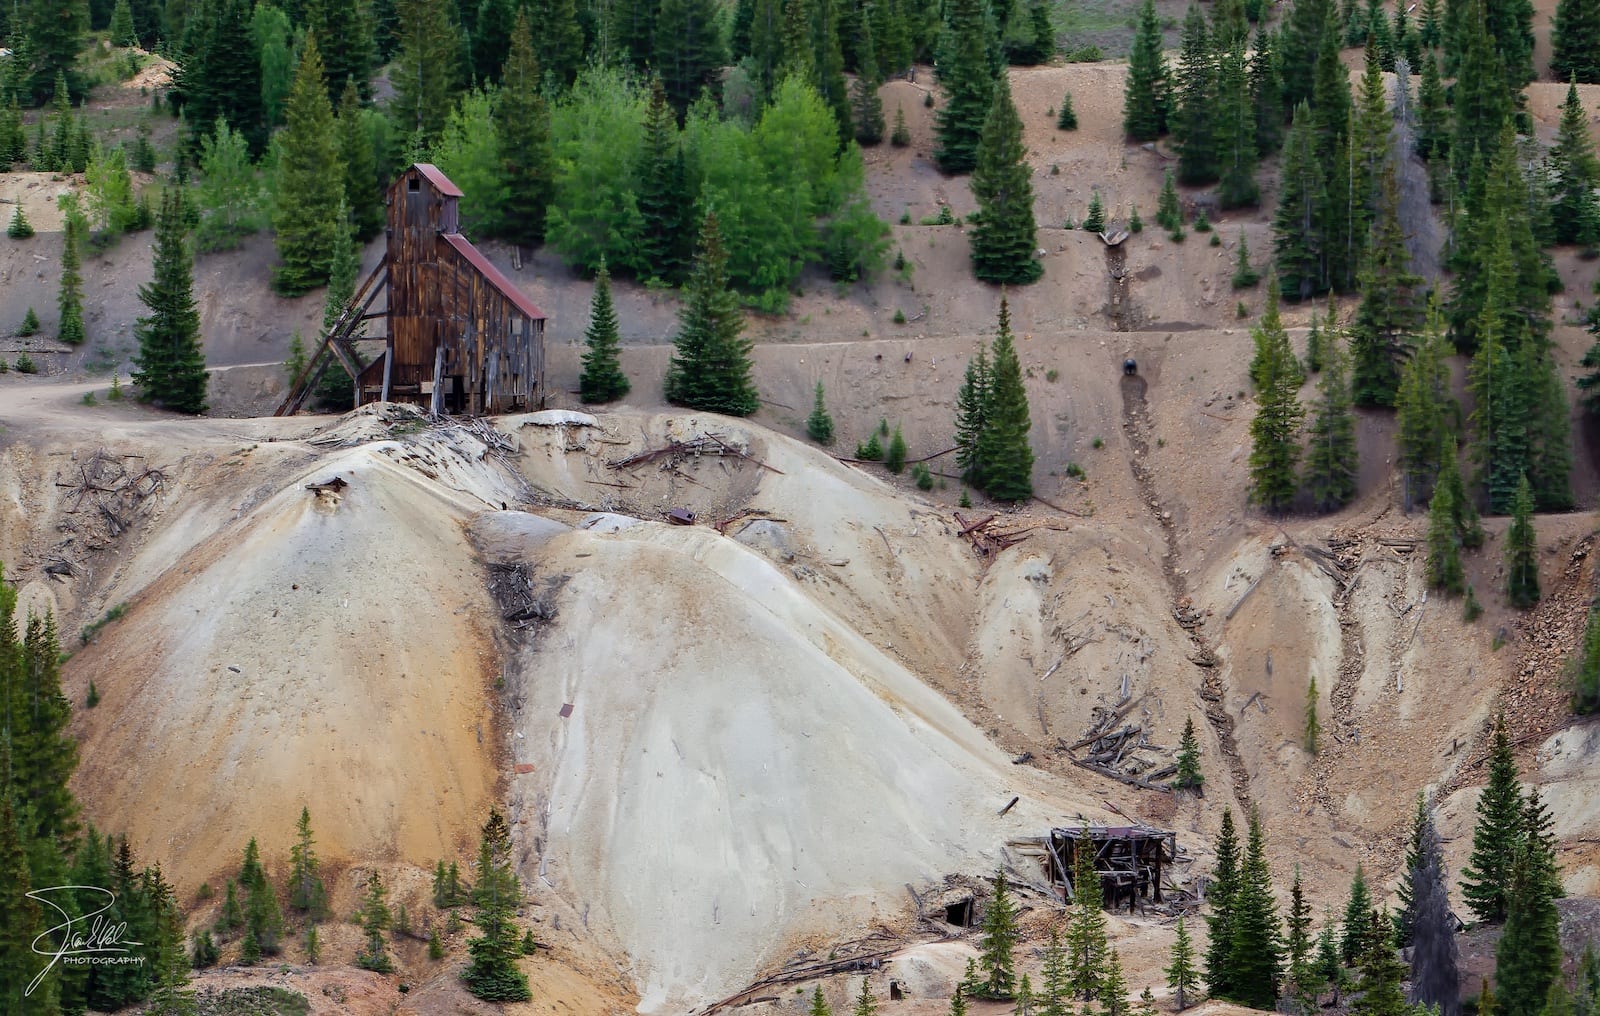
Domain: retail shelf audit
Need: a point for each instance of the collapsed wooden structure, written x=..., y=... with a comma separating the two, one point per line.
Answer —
x=460, y=336
x=1128, y=860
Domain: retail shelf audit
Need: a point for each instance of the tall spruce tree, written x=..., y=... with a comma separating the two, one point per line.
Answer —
x=1275, y=430
x=1237, y=148
x=602, y=379
x=710, y=365
x=1298, y=239
x=1255, y=950
x=688, y=48
x=1332, y=458
x=1055, y=984
x=556, y=24
x=310, y=181
x=1299, y=43
x=492, y=975
x=69, y=299
x=1221, y=896
x=1004, y=240
x=1087, y=945
x=1481, y=101
x=172, y=367
x=54, y=37
x=1575, y=42
x=996, y=960
x=522, y=131
x=968, y=81
x=1196, y=99
x=972, y=415
x=664, y=201
x=1496, y=834
x=1357, y=918
x=1144, y=100
x=1003, y=448
x=1444, y=545
x=1585, y=668
x=1381, y=971
x=1182, y=977
x=21, y=920
x=1424, y=411
x=363, y=195
x=426, y=74
x=1383, y=330
x=1528, y=955
x=866, y=108
x=1266, y=90
x=1522, y=551
x=1576, y=171
x=344, y=36
x=375, y=920
x=307, y=894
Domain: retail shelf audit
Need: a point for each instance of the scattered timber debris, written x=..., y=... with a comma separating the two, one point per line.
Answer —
x=1122, y=750
x=676, y=452
x=866, y=953
x=1187, y=616
x=108, y=492
x=520, y=606
x=987, y=540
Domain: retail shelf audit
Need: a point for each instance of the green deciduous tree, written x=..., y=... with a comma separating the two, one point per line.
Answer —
x=229, y=194
x=1004, y=240
x=273, y=38
x=309, y=183
x=710, y=366
x=493, y=975
x=602, y=379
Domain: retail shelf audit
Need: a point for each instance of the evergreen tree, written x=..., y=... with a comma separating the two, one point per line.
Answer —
x=1576, y=171
x=311, y=176
x=1586, y=668
x=1332, y=463
x=1433, y=118
x=212, y=80
x=1481, y=100
x=493, y=975
x=866, y=1003
x=1095, y=221
x=602, y=379
x=1469, y=531
x=362, y=194
x=819, y=425
x=688, y=48
x=1055, y=994
x=1381, y=971
x=1236, y=143
x=263, y=922
x=1188, y=776
x=1196, y=100
x=1067, y=119
x=1002, y=447
x=1004, y=239
x=306, y=891
x=555, y=23
x=426, y=75
x=1357, y=918
x=996, y=963
x=1114, y=991
x=1168, y=213
x=1313, y=726
x=968, y=80
x=1495, y=835
x=1522, y=552
x=664, y=200
x=1181, y=974
x=1266, y=90
x=54, y=34
x=1444, y=553
x=710, y=365
x=1087, y=945
x=1297, y=942
x=1435, y=979
x=866, y=108
x=1255, y=954
x=349, y=53
x=1425, y=409
x=972, y=416
x=1390, y=312
x=375, y=920
x=1144, y=101
x=1575, y=42
x=21, y=920
x=70, y=296
x=1274, y=432
x=1528, y=954
x=1298, y=239
x=1500, y=395
x=522, y=131
x=1221, y=895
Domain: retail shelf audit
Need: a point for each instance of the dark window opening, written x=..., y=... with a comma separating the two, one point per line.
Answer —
x=959, y=913
x=413, y=184
x=896, y=993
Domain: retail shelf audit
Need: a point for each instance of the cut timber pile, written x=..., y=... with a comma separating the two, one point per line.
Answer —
x=676, y=451
x=987, y=540
x=108, y=492
x=1113, y=748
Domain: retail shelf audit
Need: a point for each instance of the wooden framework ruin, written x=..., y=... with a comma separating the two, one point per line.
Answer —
x=1128, y=860
x=460, y=336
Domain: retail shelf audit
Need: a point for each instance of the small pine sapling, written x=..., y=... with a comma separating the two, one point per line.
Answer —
x=20, y=228
x=1067, y=120
x=1135, y=224
x=819, y=425
x=93, y=698
x=1245, y=274
x=1313, y=731
x=115, y=394
x=1202, y=224
x=1095, y=221
x=1471, y=609
x=435, y=945
x=529, y=943
x=871, y=451
x=900, y=137
x=895, y=459
x=25, y=364
x=1169, y=214
x=30, y=324
x=1189, y=776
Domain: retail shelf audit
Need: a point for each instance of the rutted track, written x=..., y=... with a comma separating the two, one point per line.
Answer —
x=1135, y=423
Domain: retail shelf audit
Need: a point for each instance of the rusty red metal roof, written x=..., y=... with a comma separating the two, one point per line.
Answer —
x=496, y=278
x=441, y=183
